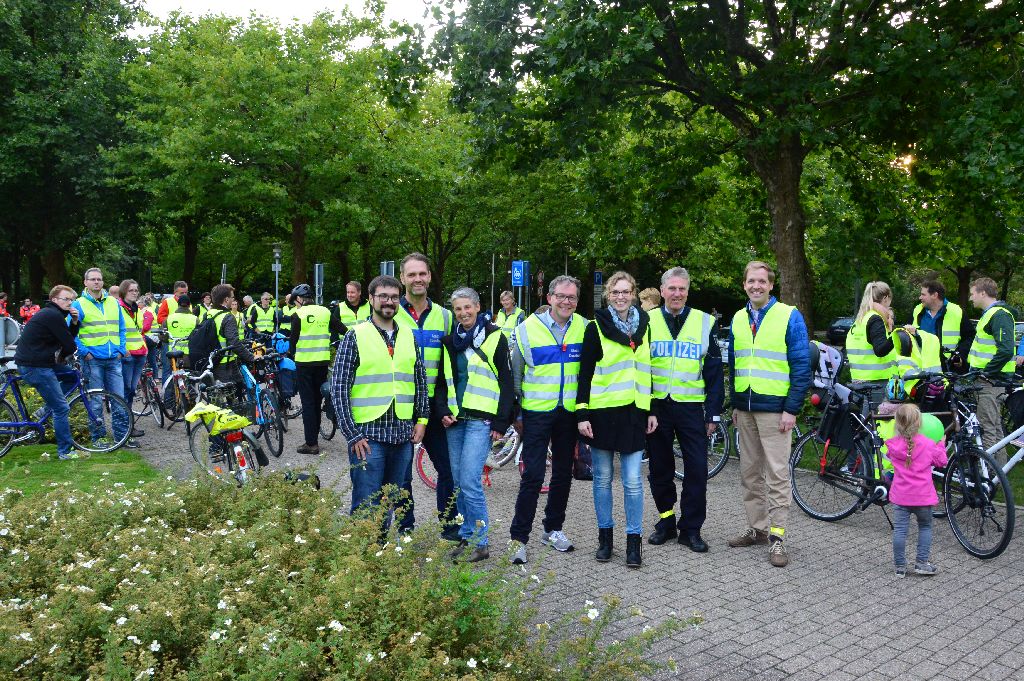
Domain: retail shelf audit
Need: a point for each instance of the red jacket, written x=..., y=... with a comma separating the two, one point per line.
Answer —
x=27, y=311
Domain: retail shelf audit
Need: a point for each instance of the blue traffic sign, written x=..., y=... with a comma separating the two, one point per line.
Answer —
x=598, y=278
x=518, y=275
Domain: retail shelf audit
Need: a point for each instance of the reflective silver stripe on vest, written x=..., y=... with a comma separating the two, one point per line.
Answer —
x=405, y=399
x=372, y=401
x=429, y=364
x=298, y=350
x=761, y=373
x=382, y=378
x=763, y=354
x=101, y=322
x=951, y=334
x=481, y=370
x=547, y=380
x=525, y=342
x=676, y=390
x=98, y=334
x=612, y=368
x=972, y=353
x=613, y=387
x=482, y=392
x=667, y=374
x=316, y=336
x=540, y=395
x=985, y=341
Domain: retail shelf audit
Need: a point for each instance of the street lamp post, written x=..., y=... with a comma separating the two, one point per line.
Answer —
x=277, y=270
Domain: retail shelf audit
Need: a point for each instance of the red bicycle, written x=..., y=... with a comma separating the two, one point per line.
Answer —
x=503, y=452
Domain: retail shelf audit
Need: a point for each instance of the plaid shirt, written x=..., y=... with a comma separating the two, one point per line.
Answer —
x=387, y=428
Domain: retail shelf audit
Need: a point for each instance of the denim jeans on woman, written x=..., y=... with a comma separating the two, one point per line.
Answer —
x=632, y=488
x=53, y=384
x=901, y=523
x=469, y=443
x=131, y=372
x=106, y=373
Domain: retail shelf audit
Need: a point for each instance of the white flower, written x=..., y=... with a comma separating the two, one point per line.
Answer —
x=369, y=657
x=336, y=625
x=120, y=621
x=222, y=605
x=155, y=646
x=398, y=549
x=229, y=523
x=459, y=520
x=471, y=663
x=227, y=622
x=406, y=539
x=378, y=554
x=145, y=672
x=535, y=578
x=382, y=654
x=4, y=531
x=588, y=603
x=104, y=607
x=412, y=639
x=592, y=614
x=215, y=636
x=24, y=636
x=446, y=660
x=134, y=639
x=299, y=539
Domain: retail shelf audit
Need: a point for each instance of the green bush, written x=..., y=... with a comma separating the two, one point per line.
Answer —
x=200, y=580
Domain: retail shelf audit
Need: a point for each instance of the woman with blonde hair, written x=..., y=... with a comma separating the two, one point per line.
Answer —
x=613, y=409
x=650, y=298
x=869, y=346
x=137, y=322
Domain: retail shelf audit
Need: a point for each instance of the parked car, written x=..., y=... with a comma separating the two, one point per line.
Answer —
x=838, y=330
x=1018, y=331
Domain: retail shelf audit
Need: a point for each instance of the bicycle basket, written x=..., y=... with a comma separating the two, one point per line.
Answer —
x=932, y=395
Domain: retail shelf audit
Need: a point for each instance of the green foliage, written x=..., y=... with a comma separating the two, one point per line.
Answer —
x=35, y=470
x=203, y=580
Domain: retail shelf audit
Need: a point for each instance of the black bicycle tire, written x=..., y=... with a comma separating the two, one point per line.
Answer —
x=156, y=404
x=271, y=425
x=966, y=466
x=328, y=427
x=88, y=445
x=715, y=464
x=802, y=478
x=13, y=418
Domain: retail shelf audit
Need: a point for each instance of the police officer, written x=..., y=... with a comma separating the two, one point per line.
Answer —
x=688, y=391
x=429, y=323
x=313, y=329
x=770, y=361
x=510, y=315
x=545, y=369
x=354, y=309
x=380, y=420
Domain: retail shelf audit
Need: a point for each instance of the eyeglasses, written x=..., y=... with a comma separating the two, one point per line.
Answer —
x=64, y=299
x=561, y=297
x=620, y=294
x=385, y=298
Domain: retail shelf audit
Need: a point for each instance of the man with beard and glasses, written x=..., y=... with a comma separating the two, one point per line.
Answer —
x=379, y=392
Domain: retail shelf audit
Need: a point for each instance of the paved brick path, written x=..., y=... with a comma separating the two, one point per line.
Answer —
x=836, y=612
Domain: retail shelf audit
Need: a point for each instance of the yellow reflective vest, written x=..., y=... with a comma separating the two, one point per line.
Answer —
x=865, y=365
x=623, y=375
x=677, y=363
x=382, y=378
x=437, y=323
x=264, y=319
x=314, y=344
x=951, y=320
x=179, y=326
x=983, y=349
x=760, y=362
x=350, y=318
x=552, y=368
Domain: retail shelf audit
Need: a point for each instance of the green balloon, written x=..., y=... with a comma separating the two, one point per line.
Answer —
x=932, y=428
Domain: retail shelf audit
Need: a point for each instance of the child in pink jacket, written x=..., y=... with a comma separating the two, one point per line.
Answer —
x=913, y=492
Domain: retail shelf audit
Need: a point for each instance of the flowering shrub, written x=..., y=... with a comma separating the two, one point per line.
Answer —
x=202, y=580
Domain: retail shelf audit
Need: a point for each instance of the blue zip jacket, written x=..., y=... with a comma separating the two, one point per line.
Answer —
x=107, y=350
x=798, y=355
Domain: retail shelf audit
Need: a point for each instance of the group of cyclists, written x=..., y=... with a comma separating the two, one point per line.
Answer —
x=398, y=370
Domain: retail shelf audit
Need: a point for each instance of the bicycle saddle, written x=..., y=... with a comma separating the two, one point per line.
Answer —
x=175, y=354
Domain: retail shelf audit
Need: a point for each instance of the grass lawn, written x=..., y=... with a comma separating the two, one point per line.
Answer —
x=26, y=468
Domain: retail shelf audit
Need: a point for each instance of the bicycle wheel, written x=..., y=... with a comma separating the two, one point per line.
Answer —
x=979, y=503
x=271, y=429
x=425, y=467
x=249, y=445
x=100, y=420
x=327, y=427
x=141, y=405
x=152, y=397
x=546, y=485
x=210, y=452
x=718, y=450
x=504, y=450
x=8, y=434
x=828, y=481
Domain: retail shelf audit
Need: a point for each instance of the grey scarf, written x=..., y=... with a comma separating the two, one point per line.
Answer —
x=631, y=324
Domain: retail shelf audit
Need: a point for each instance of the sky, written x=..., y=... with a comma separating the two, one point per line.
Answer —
x=283, y=10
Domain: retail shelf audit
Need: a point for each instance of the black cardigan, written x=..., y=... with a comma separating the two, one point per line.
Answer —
x=506, y=397
x=46, y=338
x=619, y=429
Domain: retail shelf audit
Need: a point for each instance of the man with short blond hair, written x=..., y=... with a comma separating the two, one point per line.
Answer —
x=993, y=353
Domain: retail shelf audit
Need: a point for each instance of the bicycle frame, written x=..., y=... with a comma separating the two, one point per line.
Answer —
x=12, y=383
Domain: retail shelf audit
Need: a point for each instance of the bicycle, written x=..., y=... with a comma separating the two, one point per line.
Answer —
x=264, y=408
x=89, y=414
x=277, y=343
x=179, y=397
x=504, y=451
x=149, y=395
x=719, y=446
x=222, y=446
x=838, y=469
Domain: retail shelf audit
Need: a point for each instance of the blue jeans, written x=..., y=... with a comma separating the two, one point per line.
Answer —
x=384, y=465
x=106, y=373
x=632, y=488
x=131, y=372
x=469, y=443
x=901, y=523
x=52, y=385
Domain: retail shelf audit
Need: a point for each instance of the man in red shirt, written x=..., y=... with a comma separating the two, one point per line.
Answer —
x=167, y=306
x=27, y=310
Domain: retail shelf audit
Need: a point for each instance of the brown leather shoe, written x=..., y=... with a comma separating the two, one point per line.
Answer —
x=777, y=554
x=308, y=449
x=750, y=537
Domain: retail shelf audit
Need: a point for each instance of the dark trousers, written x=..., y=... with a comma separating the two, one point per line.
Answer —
x=683, y=420
x=539, y=428
x=435, y=441
x=310, y=378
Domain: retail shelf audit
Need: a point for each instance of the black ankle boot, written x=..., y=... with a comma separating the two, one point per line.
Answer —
x=604, y=544
x=634, y=550
x=663, y=531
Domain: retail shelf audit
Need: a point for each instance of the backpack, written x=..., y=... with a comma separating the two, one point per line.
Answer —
x=582, y=462
x=203, y=340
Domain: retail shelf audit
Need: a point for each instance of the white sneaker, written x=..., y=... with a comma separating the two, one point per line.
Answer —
x=518, y=552
x=557, y=540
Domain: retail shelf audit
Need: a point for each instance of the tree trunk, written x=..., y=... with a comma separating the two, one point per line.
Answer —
x=299, y=274
x=345, y=268
x=190, y=242
x=364, y=243
x=963, y=282
x=779, y=168
x=35, y=276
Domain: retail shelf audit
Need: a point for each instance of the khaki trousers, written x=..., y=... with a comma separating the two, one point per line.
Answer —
x=990, y=418
x=764, y=470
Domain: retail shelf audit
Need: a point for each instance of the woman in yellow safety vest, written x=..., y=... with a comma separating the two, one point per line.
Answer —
x=473, y=396
x=137, y=322
x=869, y=346
x=613, y=403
